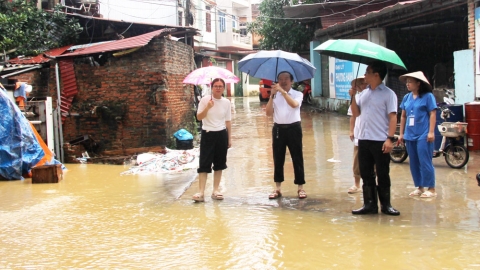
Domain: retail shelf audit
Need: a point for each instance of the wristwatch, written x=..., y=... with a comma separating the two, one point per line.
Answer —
x=391, y=138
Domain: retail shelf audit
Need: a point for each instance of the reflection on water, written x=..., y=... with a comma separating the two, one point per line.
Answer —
x=95, y=218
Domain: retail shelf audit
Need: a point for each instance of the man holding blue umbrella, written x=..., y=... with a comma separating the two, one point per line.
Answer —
x=284, y=105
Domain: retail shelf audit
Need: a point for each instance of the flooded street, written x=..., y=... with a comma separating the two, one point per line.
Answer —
x=95, y=218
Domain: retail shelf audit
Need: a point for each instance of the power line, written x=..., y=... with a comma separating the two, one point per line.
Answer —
x=215, y=9
x=139, y=1
x=138, y=17
x=372, y=2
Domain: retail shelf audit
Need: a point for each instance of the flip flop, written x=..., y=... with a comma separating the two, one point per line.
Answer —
x=275, y=194
x=217, y=196
x=302, y=194
x=198, y=198
x=416, y=192
x=428, y=194
x=354, y=189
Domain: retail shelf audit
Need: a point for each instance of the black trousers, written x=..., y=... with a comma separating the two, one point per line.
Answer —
x=288, y=136
x=213, y=149
x=373, y=162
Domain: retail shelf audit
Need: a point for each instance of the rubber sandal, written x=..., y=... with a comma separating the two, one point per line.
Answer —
x=416, y=192
x=428, y=194
x=354, y=189
x=302, y=194
x=275, y=194
x=217, y=196
x=198, y=198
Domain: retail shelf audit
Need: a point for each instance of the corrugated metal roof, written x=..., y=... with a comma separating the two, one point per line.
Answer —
x=82, y=46
x=117, y=45
x=327, y=9
x=69, y=86
x=109, y=20
x=333, y=13
x=384, y=9
x=41, y=58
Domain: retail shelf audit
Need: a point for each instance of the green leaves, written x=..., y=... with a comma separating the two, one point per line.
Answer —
x=278, y=32
x=31, y=31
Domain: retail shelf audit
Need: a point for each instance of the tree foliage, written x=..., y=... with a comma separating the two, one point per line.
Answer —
x=278, y=33
x=26, y=30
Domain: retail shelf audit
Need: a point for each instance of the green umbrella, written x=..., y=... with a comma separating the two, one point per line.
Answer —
x=360, y=51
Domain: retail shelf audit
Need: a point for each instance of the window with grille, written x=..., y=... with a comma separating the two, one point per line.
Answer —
x=234, y=22
x=221, y=24
x=208, y=18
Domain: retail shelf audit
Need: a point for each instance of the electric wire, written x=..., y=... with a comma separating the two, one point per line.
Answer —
x=216, y=8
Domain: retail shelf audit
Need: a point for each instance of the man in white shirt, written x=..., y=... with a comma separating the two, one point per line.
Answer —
x=284, y=104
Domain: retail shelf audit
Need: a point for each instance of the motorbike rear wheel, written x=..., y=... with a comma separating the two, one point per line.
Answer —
x=456, y=156
x=308, y=98
x=398, y=153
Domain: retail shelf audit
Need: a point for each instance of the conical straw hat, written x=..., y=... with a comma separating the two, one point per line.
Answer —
x=357, y=81
x=417, y=75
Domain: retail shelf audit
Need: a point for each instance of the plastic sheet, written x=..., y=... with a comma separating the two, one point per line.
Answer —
x=174, y=161
x=19, y=148
x=183, y=135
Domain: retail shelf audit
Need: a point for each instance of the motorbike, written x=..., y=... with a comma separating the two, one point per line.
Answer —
x=455, y=153
x=306, y=89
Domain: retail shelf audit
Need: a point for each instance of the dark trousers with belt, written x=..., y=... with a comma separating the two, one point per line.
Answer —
x=373, y=162
x=288, y=135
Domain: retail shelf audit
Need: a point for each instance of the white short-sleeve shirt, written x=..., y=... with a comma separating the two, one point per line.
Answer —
x=217, y=115
x=284, y=113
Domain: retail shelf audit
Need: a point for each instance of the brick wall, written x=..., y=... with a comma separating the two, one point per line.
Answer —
x=135, y=100
x=471, y=24
x=38, y=78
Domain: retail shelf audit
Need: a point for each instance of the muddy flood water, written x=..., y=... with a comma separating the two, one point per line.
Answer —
x=95, y=218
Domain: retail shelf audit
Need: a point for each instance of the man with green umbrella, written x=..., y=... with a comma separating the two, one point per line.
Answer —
x=377, y=109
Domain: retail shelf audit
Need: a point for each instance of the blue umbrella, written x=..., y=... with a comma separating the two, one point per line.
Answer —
x=268, y=64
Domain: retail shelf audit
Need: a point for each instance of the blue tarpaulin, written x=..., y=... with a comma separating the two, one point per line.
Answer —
x=19, y=148
x=183, y=135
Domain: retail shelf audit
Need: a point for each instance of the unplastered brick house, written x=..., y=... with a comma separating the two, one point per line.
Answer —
x=123, y=96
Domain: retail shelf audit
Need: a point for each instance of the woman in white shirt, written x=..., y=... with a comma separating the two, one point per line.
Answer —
x=215, y=113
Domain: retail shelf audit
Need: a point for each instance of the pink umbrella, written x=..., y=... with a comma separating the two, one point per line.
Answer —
x=206, y=75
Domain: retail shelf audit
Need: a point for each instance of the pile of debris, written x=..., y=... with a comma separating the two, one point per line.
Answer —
x=172, y=161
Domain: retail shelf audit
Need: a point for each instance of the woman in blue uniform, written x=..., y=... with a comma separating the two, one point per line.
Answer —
x=417, y=128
